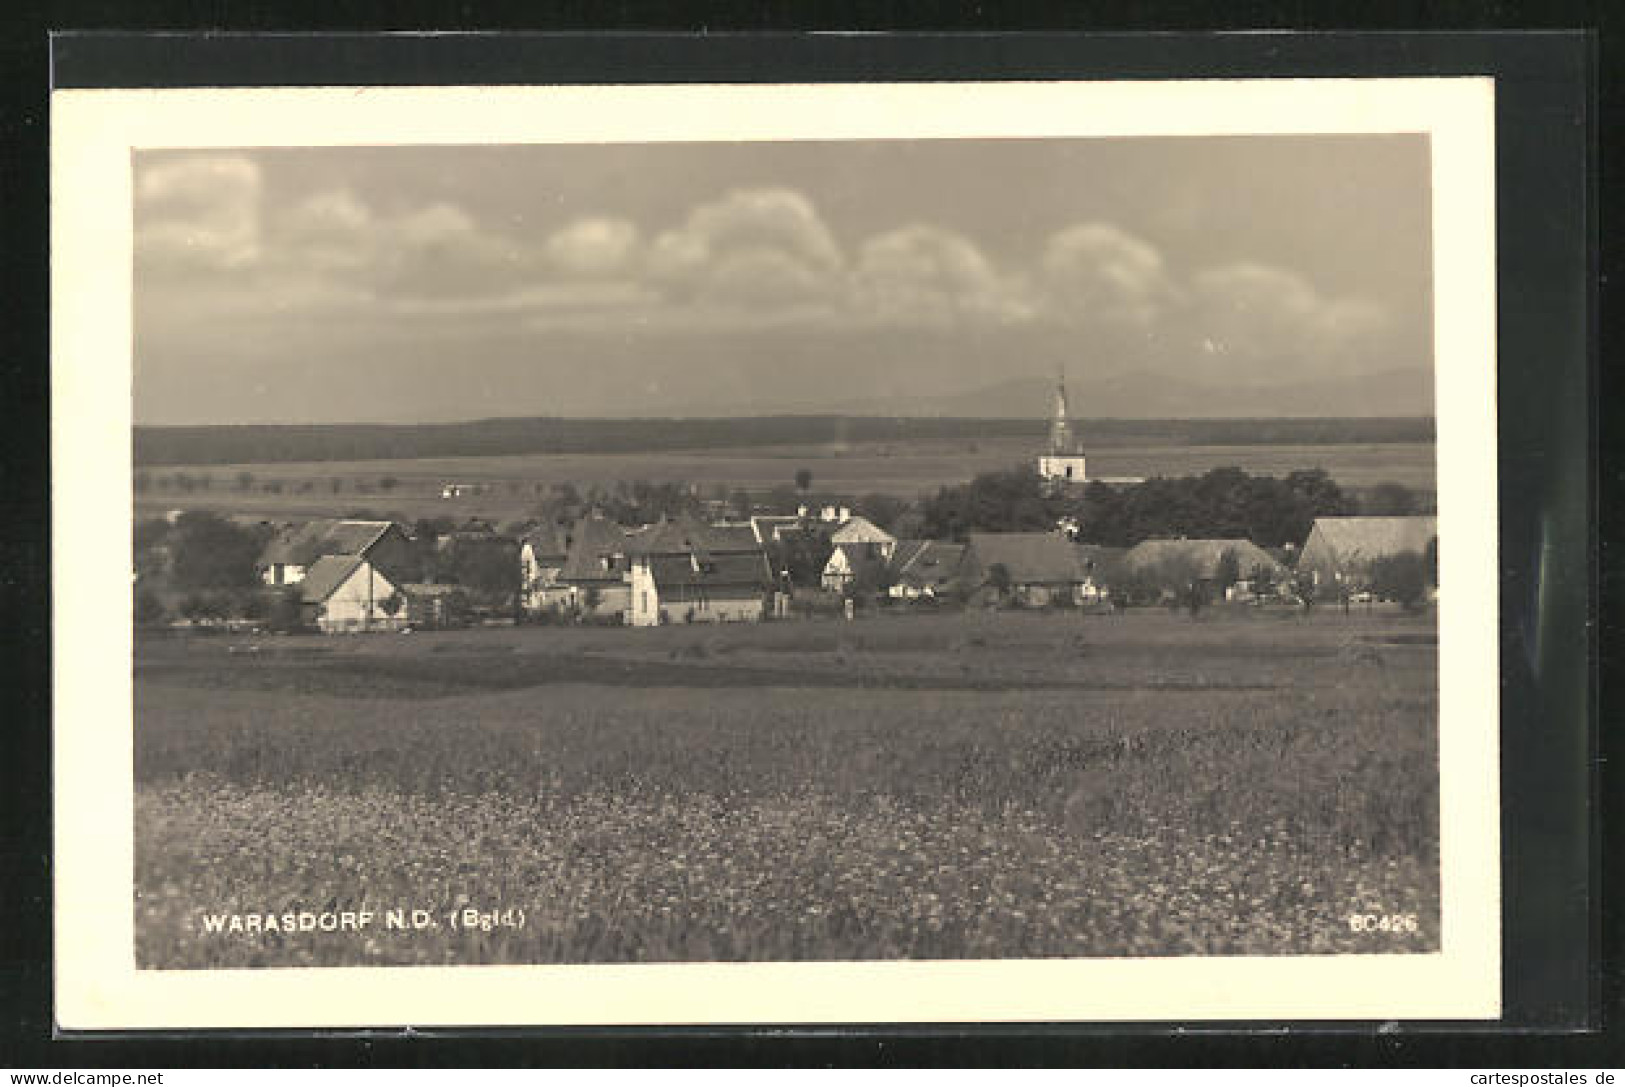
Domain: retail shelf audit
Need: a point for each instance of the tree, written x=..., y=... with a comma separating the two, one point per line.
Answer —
x=803, y=553
x=245, y=480
x=884, y=510
x=388, y=483
x=1227, y=571
x=488, y=570
x=804, y=478
x=999, y=580
x=286, y=612
x=210, y=552
x=149, y=610
x=1402, y=578
x=1388, y=500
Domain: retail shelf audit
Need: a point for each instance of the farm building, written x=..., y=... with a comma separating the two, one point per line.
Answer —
x=1174, y=564
x=542, y=554
x=595, y=568
x=685, y=572
x=344, y=593
x=924, y=569
x=289, y=556
x=1039, y=568
x=1342, y=549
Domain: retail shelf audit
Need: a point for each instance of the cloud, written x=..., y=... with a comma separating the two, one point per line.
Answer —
x=598, y=247
x=198, y=213
x=328, y=230
x=1096, y=272
x=1258, y=315
x=441, y=251
x=923, y=274
x=751, y=247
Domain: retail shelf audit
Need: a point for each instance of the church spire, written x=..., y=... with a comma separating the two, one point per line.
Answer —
x=1060, y=436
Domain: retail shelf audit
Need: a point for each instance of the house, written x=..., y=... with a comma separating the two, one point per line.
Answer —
x=596, y=567
x=288, y=557
x=344, y=593
x=924, y=569
x=1172, y=565
x=1342, y=549
x=435, y=607
x=543, y=552
x=860, y=548
x=1038, y=568
x=685, y=572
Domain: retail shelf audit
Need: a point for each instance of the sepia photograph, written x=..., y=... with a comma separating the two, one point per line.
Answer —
x=834, y=545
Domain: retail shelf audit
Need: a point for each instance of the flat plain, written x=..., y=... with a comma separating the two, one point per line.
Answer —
x=413, y=487
x=917, y=786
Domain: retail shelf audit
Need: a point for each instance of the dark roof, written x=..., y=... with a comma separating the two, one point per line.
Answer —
x=1033, y=558
x=927, y=564
x=685, y=535
x=550, y=540
x=302, y=545
x=591, y=539
x=734, y=570
x=326, y=575
x=731, y=537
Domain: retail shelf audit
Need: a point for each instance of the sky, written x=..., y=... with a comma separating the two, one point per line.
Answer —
x=439, y=283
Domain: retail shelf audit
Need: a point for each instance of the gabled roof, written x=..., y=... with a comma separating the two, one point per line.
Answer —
x=302, y=545
x=326, y=575
x=548, y=540
x=927, y=564
x=861, y=530
x=591, y=539
x=1033, y=558
x=1361, y=539
x=736, y=570
x=1203, y=555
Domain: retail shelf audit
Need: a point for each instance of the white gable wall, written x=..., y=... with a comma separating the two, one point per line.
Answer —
x=358, y=603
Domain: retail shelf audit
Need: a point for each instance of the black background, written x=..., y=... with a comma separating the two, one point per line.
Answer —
x=1553, y=102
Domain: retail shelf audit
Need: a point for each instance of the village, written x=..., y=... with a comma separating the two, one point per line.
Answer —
x=1033, y=538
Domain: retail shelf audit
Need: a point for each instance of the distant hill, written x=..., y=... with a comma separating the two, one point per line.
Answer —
x=1146, y=394
x=249, y=444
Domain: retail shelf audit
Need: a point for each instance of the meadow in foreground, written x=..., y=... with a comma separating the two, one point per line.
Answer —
x=1122, y=793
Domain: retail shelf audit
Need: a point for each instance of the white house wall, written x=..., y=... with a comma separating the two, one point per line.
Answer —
x=357, y=604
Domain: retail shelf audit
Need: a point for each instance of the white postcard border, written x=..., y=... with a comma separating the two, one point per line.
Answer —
x=97, y=984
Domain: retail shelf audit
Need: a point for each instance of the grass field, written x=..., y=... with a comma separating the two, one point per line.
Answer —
x=902, y=787
x=898, y=468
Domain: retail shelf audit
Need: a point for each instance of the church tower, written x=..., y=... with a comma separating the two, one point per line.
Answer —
x=1060, y=434
x=1063, y=462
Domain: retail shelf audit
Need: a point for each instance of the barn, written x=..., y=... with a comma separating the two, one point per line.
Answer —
x=1039, y=568
x=292, y=552
x=1340, y=550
